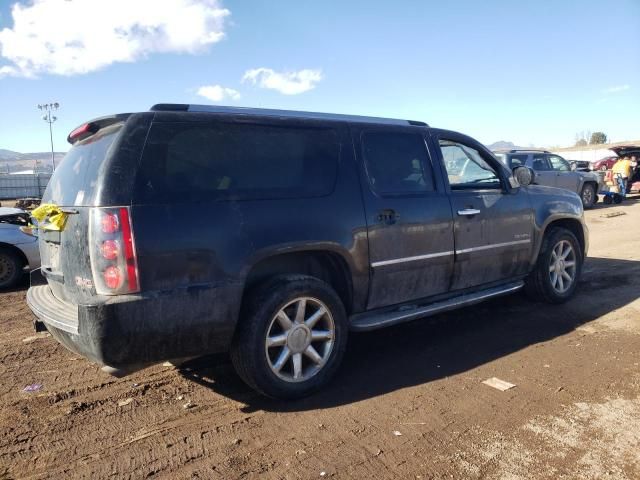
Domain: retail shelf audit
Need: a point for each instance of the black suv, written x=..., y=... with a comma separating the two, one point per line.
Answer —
x=192, y=230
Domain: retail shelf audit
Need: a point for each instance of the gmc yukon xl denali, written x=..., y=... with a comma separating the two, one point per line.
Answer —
x=271, y=234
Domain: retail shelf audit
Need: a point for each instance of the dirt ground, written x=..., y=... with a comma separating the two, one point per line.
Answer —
x=408, y=401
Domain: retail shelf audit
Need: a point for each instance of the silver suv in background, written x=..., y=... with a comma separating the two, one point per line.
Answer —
x=554, y=171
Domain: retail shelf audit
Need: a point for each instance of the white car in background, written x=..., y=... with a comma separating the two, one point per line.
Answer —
x=19, y=252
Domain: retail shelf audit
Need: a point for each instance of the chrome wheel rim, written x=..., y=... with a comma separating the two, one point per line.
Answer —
x=300, y=339
x=587, y=195
x=562, y=266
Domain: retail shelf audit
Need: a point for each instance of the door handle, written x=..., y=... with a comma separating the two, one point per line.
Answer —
x=468, y=212
x=388, y=216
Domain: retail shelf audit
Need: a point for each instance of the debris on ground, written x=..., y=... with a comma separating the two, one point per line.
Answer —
x=34, y=387
x=188, y=405
x=397, y=433
x=498, y=384
x=124, y=403
x=36, y=337
x=616, y=213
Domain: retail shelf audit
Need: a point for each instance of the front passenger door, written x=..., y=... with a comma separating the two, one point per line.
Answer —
x=493, y=224
x=565, y=177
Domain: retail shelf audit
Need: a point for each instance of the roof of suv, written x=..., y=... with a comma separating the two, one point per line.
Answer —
x=267, y=112
x=523, y=150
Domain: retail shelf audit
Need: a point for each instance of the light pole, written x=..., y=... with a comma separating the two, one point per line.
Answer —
x=48, y=107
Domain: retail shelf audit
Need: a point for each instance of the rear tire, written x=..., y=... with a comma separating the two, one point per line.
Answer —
x=555, y=276
x=10, y=268
x=291, y=336
x=588, y=195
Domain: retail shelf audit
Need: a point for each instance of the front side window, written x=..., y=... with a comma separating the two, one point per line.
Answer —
x=200, y=161
x=559, y=164
x=396, y=162
x=466, y=168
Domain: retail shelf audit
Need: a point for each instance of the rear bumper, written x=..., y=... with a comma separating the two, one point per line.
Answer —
x=130, y=332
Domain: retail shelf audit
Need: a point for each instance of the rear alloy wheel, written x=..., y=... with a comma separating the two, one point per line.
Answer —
x=588, y=195
x=555, y=276
x=300, y=339
x=10, y=268
x=291, y=337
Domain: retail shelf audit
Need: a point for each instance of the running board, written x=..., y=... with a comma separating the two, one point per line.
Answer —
x=363, y=322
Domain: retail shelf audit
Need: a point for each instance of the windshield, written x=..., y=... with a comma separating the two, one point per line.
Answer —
x=74, y=181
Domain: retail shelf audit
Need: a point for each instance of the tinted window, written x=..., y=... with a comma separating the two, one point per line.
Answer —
x=195, y=162
x=466, y=168
x=74, y=181
x=540, y=163
x=396, y=162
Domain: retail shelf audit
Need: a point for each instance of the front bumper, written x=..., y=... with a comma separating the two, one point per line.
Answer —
x=129, y=332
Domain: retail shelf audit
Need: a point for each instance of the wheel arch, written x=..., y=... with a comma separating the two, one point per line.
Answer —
x=574, y=225
x=324, y=264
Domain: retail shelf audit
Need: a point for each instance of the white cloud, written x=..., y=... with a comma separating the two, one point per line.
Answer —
x=216, y=93
x=288, y=83
x=616, y=89
x=70, y=37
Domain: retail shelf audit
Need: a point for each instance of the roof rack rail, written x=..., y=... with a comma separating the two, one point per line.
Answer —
x=268, y=112
x=516, y=150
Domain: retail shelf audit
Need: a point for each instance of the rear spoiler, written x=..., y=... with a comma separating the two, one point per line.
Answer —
x=87, y=129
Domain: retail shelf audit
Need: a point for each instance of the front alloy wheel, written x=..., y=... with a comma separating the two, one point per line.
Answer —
x=562, y=267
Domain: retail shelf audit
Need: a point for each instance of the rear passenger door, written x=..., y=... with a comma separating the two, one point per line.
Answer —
x=409, y=222
x=493, y=224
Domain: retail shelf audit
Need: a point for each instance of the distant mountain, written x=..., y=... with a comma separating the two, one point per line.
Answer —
x=502, y=145
x=11, y=161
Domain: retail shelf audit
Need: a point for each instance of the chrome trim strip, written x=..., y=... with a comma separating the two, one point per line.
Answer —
x=410, y=259
x=494, y=245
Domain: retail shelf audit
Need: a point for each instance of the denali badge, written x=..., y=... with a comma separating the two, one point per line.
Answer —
x=84, y=282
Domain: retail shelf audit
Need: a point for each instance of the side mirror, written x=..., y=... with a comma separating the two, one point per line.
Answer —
x=523, y=175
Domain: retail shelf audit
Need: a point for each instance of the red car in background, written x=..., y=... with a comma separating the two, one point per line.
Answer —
x=605, y=163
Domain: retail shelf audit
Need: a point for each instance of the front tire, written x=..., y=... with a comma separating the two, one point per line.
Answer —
x=555, y=276
x=588, y=195
x=291, y=336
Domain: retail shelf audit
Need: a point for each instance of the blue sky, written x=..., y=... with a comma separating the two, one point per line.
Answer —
x=529, y=72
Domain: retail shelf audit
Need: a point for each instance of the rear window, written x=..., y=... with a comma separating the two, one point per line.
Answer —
x=396, y=162
x=74, y=181
x=187, y=162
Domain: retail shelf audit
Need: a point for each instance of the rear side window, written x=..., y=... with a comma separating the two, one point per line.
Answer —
x=75, y=179
x=198, y=162
x=396, y=162
x=540, y=163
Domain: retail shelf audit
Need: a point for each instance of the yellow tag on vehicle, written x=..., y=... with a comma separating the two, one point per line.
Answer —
x=56, y=217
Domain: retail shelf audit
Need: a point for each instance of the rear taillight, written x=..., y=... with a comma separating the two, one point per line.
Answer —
x=113, y=253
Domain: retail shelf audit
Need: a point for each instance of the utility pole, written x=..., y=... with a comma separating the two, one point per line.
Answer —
x=47, y=117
